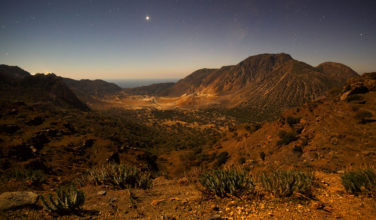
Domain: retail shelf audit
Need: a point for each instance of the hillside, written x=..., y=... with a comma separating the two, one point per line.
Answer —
x=86, y=89
x=158, y=89
x=332, y=134
x=258, y=88
x=46, y=146
x=49, y=141
x=337, y=71
x=17, y=84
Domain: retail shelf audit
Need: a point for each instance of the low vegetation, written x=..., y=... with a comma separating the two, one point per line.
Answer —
x=226, y=182
x=121, y=176
x=360, y=181
x=363, y=116
x=253, y=127
x=221, y=159
x=262, y=155
x=286, y=137
x=286, y=183
x=68, y=200
x=29, y=176
x=197, y=157
x=292, y=120
x=354, y=97
x=298, y=149
x=242, y=160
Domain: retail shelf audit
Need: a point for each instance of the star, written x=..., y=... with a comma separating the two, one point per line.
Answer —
x=147, y=18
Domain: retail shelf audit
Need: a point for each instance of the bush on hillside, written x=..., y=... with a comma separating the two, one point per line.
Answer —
x=286, y=183
x=363, y=116
x=121, y=176
x=354, y=97
x=262, y=155
x=286, y=137
x=226, y=182
x=360, y=181
x=221, y=159
x=292, y=120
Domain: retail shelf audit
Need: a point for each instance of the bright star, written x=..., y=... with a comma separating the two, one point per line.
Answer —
x=147, y=18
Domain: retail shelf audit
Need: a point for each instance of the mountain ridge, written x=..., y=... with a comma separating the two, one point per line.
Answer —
x=19, y=84
x=264, y=84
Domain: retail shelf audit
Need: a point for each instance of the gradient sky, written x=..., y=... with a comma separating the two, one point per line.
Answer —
x=112, y=39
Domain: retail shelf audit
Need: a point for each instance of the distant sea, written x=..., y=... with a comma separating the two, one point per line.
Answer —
x=132, y=83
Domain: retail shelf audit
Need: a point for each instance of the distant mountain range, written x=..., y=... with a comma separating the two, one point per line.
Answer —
x=262, y=85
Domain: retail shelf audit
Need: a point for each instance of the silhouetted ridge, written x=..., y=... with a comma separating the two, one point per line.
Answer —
x=86, y=89
x=11, y=74
x=20, y=85
x=157, y=89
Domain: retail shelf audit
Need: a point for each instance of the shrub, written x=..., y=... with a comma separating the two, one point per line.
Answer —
x=363, y=116
x=359, y=181
x=224, y=182
x=121, y=176
x=150, y=159
x=253, y=127
x=68, y=200
x=355, y=97
x=304, y=142
x=298, y=149
x=30, y=176
x=36, y=177
x=292, y=120
x=197, y=157
x=241, y=160
x=221, y=159
x=286, y=183
x=286, y=137
x=262, y=155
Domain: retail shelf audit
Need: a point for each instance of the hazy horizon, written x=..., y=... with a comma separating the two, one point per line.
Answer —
x=151, y=77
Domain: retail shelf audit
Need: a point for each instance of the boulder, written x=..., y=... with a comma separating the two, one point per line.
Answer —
x=13, y=200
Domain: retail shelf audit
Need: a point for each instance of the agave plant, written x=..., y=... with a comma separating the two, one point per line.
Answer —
x=359, y=181
x=68, y=200
x=121, y=176
x=286, y=183
x=223, y=182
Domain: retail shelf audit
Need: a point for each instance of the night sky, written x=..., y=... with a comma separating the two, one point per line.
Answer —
x=171, y=38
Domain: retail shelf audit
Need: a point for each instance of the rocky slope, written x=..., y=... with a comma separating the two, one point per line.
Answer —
x=263, y=85
x=332, y=134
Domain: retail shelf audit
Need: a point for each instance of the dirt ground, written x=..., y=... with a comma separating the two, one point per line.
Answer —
x=181, y=199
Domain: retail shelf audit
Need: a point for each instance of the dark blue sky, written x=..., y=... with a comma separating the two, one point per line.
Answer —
x=112, y=39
